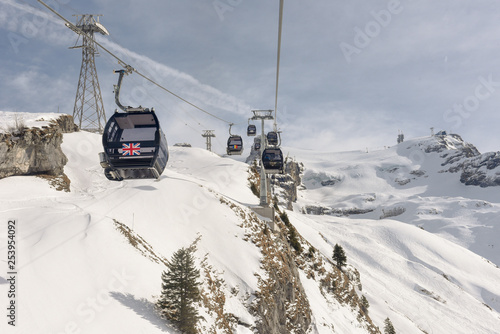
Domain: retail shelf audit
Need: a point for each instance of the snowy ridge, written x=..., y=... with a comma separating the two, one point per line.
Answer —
x=30, y=120
x=78, y=271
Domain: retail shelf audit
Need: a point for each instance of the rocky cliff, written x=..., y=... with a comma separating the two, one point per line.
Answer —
x=475, y=169
x=483, y=171
x=34, y=150
x=286, y=184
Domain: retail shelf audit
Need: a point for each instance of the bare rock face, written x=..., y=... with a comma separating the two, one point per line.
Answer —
x=35, y=151
x=286, y=184
x=476, y=169
x=322, y=210
x=67, y=124
x=445, y=143
x=483, y=171
x=281, y=303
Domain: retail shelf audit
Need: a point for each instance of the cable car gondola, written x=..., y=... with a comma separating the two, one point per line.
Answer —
x=272, y=138
x=272, y=158
x=251, y=130
x=234, y=145
x=135, y=147
x=256, y=143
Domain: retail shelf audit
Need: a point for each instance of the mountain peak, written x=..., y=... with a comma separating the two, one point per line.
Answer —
x=457, y=156
x=452, y=142
x=442, y=142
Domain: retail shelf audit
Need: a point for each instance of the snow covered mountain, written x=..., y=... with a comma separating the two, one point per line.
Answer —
x=420, y=244
x=420, y=182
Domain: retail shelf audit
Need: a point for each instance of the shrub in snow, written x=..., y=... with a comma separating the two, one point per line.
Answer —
x=18, y=126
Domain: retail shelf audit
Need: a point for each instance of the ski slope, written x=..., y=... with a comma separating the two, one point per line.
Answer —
x=78, y=274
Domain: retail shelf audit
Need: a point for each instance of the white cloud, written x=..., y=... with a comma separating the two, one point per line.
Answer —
x=178, y=82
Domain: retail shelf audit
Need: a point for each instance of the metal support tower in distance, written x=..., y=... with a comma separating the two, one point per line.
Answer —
x=401, y=137
x=263, y=115
x=209, y=134
x=88, y=111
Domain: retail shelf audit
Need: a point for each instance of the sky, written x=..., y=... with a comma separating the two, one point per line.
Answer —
x=352, y=73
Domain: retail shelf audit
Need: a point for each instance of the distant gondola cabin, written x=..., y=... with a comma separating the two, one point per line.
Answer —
x=272, y=138
x=234, y=145
x=272, y=159
x=251, y=130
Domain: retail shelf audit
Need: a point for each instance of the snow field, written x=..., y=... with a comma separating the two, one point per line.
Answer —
x=74, y=258
x=79, y=274
x=419, y=280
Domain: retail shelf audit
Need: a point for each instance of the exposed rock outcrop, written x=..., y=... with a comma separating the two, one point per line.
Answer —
x=483, y=171
x=286, y=184
x=280, y=305
x=322, y=210
x=476, y=169
x=66, y=123
x=35, y=151
x=452, y=142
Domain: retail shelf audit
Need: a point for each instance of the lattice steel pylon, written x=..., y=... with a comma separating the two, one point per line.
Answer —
x=88, y=111
x=209, y=134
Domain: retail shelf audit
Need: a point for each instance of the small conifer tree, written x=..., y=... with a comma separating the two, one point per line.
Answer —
x=292, y=233
x=388, y=327
x=180, y=292
x=364, y=304
x=339, y=256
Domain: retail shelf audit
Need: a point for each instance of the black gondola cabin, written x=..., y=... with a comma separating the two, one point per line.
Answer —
x=134, y=146
x=256, y=143
x=234, y=145
x=272, y=138
x=251, y=130
x=272, y=159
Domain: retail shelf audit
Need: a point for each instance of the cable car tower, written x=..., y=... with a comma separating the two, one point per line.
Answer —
x=88, y=111
x=263, y=115
x=209, y=134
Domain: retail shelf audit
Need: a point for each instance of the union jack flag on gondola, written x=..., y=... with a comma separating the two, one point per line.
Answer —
x=131, y=149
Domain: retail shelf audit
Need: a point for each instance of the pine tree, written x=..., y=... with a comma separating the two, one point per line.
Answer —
x=339, y=256
x=388, y=327
x=180, y=292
